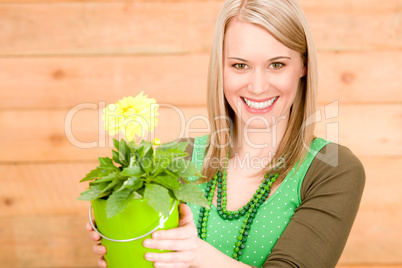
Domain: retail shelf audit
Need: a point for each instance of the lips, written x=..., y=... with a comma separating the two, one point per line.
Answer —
x=259, y=105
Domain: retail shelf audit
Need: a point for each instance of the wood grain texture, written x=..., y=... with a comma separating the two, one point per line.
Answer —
x=45, y=241
x=372, y=233
x=43, y=189
x=68, y=135
x=165, y=28
x=368, y=130
x=355, y=25
x=379, y=220
x=356, y=77
x=31, y=83
x=66, y=82
x=108, y=28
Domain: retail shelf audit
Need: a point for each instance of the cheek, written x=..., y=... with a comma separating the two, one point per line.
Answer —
x=229, y=87
x=233, y=83
x=288, y=85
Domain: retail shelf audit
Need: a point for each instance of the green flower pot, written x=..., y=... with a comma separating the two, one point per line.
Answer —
x=137, y=221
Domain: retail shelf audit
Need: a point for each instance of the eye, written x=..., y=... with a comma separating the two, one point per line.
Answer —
x=276, y=65
x=240, y=66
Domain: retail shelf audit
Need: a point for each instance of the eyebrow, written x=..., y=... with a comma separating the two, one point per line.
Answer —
x=273, y=59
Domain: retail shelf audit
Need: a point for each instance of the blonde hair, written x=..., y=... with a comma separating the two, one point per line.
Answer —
x=285, y=20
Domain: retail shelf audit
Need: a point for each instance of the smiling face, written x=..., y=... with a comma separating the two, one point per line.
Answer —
x=261, y=75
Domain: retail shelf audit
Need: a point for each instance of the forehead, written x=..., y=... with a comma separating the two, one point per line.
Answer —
x=247, y=39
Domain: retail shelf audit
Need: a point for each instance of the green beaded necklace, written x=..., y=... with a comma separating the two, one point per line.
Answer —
x=249, y=210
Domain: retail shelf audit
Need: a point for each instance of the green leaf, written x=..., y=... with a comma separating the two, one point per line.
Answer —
x=167, y=182
x=123, y=152
x=146, y=153
x=158, y=198
x=89, y=195
x=174, y=145
x=111, y=185
x=106, y=162
x=117, y=186
x=92, y=193
x=132, y=171
x=168, y=155
x=184, y=168
x=107, y=178
x=116, y=144
x=190, y=193
x=160, y=165
x=147, y=164
x=117, y=159
x=142, y=149
x=133, y=183
x=106, y=165
x=164, y=158
x=118, y=201
x=93, y=174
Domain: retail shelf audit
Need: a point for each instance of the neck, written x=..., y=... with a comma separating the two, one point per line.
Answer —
x=258, y=143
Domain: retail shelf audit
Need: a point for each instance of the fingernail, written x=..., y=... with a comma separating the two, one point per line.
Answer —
x=147, y=242
x=149, y=256
x=156, y=235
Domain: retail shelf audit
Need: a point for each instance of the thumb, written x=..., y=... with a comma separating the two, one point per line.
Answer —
x=186, y=216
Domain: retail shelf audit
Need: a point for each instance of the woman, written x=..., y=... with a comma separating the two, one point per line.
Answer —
x=280, y=197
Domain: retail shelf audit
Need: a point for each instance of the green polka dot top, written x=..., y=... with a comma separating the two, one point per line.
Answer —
x=271, y=220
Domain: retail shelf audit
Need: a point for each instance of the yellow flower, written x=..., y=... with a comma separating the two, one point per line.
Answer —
x=131, y=115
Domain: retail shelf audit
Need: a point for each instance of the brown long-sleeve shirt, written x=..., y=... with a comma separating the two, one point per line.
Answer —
x=317, y=233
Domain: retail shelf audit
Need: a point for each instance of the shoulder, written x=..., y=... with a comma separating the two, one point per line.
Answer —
x=330, y=197
x=337, y=167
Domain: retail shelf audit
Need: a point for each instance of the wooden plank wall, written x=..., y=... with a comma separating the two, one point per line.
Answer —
x=61, y=61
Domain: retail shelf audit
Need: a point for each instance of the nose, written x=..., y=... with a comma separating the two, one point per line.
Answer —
x=258, y=82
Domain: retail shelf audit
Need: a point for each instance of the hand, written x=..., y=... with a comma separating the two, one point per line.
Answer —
x=182, y=240
x=98, y=248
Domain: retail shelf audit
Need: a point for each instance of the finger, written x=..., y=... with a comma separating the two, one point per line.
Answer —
x=184, y=232
x=88, y=226
x=186, y=216
x=94, y=236
x=99, y=249
x=171, y=265
x=186, y=227
x=102, y=263
x=183, y=245
x=171, y=257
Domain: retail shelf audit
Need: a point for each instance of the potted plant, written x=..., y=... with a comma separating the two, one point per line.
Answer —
x=137, y=191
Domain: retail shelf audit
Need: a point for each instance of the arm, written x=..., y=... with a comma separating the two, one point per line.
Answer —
x=317, y=232
x=189, y=250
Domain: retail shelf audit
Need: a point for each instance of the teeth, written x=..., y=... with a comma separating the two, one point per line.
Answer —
x=259, y=105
